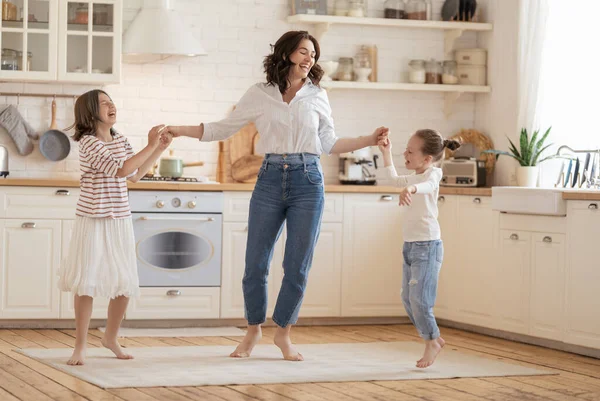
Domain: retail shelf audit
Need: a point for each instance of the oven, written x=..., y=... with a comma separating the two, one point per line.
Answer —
x=178, y=237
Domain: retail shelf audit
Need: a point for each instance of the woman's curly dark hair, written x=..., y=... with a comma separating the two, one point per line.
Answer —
x=277, y=64
x=87, y=114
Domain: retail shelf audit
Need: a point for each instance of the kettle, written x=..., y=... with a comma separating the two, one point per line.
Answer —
x=3, y=162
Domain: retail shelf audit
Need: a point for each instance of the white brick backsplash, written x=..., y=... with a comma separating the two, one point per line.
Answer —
x=237, y=35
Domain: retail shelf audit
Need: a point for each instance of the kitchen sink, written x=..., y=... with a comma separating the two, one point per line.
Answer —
x=522, y=200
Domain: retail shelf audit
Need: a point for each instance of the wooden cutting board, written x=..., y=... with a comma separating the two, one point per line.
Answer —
x=237, y=160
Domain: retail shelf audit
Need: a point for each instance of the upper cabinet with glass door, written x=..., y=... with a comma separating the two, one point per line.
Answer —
x=28, y=38
x=89, y=45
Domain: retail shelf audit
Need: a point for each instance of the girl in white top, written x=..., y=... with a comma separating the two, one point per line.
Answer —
x=293, y=116
x=101, y=259
x=423, y=250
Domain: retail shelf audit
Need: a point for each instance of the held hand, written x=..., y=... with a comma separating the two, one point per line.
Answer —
x=165, y=140
x=154, y=135
x=406, y=196
x=385, y=145
x=379, y=134
x=174, y=131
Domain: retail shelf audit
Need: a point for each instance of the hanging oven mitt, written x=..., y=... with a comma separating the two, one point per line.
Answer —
x=19, y=130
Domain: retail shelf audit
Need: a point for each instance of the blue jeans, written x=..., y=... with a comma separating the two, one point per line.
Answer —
x=422, y=264
x=289, y=188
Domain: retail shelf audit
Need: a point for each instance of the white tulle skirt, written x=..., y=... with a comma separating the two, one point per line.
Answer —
x=101, y=261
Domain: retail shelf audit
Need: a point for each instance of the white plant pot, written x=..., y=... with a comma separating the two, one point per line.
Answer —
x=527, y=176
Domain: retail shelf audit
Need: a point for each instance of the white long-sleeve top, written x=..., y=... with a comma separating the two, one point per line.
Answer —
x=304, y=125
x=420, y=218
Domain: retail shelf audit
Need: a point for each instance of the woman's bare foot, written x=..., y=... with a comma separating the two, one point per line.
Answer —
x=78, y=357
x=114, y=346
x=252, y=337
x=432, y=349
x=283, y=341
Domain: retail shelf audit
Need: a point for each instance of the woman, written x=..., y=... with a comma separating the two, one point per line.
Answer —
x=293, y=116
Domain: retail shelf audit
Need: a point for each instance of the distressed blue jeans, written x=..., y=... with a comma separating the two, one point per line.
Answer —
x=422, y=264
x=289, y=189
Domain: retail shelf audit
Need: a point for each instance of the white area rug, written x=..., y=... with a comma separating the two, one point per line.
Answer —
x=210, y=365
x=180, y=332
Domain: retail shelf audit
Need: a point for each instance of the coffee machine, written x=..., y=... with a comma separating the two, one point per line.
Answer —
x=355, y=167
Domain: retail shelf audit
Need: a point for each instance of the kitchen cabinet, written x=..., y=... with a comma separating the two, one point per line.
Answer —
x=175, y=303
x=62, y=40
x=372, y=256
x=475, y=243
x=583, y=274
x=29, y=263
x=450, y=276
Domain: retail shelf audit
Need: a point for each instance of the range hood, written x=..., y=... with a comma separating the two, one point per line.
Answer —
x=158, y=32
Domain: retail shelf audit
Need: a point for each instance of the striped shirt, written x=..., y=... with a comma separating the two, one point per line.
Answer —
x=103, y=194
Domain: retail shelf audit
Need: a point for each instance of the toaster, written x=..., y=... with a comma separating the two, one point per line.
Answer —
x=3, y=162
x=463, y=172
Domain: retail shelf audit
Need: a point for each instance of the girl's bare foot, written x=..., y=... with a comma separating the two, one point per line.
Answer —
x=283, y=341
x=78, y=357
x=114, y=346
x=252, y=337
x=441, y=342
x=432, y=349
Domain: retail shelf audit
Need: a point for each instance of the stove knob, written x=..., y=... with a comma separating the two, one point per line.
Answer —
x=192, y=204
x=160, y=204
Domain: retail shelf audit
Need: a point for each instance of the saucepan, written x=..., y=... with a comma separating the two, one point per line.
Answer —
x=172, y=166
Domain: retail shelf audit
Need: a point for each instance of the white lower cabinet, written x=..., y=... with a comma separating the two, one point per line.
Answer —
x=450, y=273
x=175, y=303
x=582, y=307
x=372, y=256
x=30, y=257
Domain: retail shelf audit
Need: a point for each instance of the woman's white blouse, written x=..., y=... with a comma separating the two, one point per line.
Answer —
x=304, y=125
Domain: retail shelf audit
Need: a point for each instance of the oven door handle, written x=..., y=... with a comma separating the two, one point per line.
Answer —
x=163, y=218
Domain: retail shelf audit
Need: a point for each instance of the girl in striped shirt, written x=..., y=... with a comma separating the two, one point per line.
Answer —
x=101, y=259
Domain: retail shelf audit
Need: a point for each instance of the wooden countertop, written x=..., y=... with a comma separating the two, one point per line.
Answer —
x=582, y=195
x=182, y=186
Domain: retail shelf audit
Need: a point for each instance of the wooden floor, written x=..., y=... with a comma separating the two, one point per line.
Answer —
x=578, y=377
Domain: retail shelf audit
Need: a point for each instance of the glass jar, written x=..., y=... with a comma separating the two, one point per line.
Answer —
x=341, y=7
x=416, y=10
x=9, y=60
x=433, y=72
x=81, y=15
x=9, y=10
x=362, y=58
x=394, y=9
x=20, y=61
x=416, y=73
x=449, y=75
x=345, y=71
x=357, y=8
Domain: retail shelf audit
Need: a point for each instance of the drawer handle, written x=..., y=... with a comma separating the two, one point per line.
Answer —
x=547, y=239
x=386, y=198
x=62, y=192
x=28, y=225
x=173, y=293
x=477, y=200
x=441, y=199
x=593, y=206
x=514, y=237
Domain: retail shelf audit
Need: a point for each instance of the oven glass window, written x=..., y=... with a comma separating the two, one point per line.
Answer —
x=175, y=250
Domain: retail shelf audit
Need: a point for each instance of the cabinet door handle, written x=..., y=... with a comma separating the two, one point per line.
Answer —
x=547, y=239
x=514, y=237
x=477, y=200
x=173, y=293
x=387, y=198
x=28, y=225
x=593, y=206
x=62, y=192
x=441, y=199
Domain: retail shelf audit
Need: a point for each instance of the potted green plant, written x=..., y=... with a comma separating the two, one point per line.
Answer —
x=528, y=155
